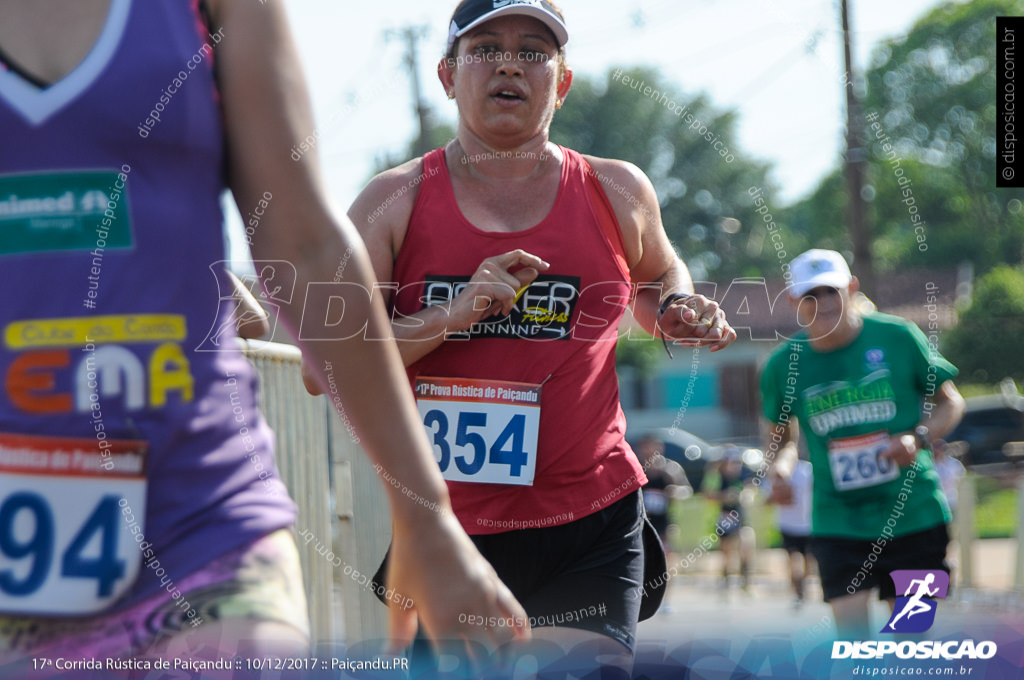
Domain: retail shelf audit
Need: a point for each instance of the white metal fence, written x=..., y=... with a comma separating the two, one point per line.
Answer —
x=342, y=504
x=343, y=511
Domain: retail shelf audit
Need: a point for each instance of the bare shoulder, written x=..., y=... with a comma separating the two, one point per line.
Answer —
x=632, y=197
x=382, y=210
x=623, y=173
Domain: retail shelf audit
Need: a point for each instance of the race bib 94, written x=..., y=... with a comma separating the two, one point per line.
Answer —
x=482, y=430
x=64, y=547
x=857, y=462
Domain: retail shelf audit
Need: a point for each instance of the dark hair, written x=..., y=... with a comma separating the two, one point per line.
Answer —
x=453, y=52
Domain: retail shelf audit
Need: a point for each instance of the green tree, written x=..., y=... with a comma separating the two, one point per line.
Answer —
x=985, y=344
x=437, y=134
x=639, y=351
x=690, y=151
x=934, y=93
x=819, y=221
x=931, y=149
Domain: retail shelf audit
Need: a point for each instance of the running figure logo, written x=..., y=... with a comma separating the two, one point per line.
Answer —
x=915, y=610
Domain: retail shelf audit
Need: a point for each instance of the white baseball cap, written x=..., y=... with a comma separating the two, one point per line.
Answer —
x=818, y=268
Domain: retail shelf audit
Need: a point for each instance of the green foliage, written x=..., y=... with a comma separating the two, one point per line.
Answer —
x=985, y=344
x=437, y=135
x=970, y=389
x=935, y=96
x=697, y=187
x=640, y=351
x=930, y=139
x=995, y=515
x=820, y=220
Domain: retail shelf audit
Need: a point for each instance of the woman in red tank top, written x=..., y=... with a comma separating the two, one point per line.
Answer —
x=512, y=261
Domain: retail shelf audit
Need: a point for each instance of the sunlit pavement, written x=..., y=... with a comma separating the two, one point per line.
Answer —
x=714, y=632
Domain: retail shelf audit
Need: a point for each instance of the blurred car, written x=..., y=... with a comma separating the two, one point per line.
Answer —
x=992, y=428
x=695, y=454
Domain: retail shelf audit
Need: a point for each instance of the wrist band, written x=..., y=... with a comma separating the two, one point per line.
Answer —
x=665, y=304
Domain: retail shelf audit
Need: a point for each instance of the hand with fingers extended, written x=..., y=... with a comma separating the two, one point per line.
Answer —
x=438, y=568
x=494, y=287
x=695, y=321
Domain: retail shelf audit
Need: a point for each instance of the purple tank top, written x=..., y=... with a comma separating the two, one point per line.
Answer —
x=111, y=263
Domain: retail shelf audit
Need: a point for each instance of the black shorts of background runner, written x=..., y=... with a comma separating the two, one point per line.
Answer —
x=795, y=543
x=730, y=522
x=600, y=561
x=840, y=560
x=596, y=561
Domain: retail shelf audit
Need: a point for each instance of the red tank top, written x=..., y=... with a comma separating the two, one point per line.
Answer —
x=561, y=335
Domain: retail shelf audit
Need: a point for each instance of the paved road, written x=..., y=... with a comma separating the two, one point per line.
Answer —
x=711, y=632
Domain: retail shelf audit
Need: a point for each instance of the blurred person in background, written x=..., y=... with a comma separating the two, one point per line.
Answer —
x=951, y=473
x=666, y=486
x=870, y=395
x=792, y=497
x=734, y=494
x=950, y=470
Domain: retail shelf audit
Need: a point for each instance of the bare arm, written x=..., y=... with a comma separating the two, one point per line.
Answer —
x=654, y=265
x=267, y=110
x=781, y=449
x=250, y=317
x=680, y=485
x=946, y=413
x=309, y=378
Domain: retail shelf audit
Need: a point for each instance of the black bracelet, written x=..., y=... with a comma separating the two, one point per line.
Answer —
x=672, y=297
x=665, y=304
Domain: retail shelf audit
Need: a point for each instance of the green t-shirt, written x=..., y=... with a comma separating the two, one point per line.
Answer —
x=848, y=402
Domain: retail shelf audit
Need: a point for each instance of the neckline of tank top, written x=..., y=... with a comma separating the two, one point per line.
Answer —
x=37, y=104
x=8, y=63
x=449, y=190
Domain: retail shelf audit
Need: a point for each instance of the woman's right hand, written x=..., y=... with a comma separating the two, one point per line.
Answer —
x=494, y=288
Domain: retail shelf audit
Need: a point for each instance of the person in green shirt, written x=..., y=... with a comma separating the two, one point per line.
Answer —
x=869, y=393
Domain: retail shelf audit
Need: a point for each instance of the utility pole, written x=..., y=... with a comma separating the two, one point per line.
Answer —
x=411, y=35
x=856, y=158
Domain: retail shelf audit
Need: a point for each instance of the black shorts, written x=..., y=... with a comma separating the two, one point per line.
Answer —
x=846, y=568
x=586, y=574
x=729, y=522
x=660, y=523
x=794, y=543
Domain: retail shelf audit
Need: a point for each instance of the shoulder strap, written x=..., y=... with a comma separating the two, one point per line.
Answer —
x=606, y=218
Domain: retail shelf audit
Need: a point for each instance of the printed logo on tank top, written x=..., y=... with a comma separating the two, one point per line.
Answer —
x=544, y=311
x=66, y=365
x=835, y=405
x=65, y=211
